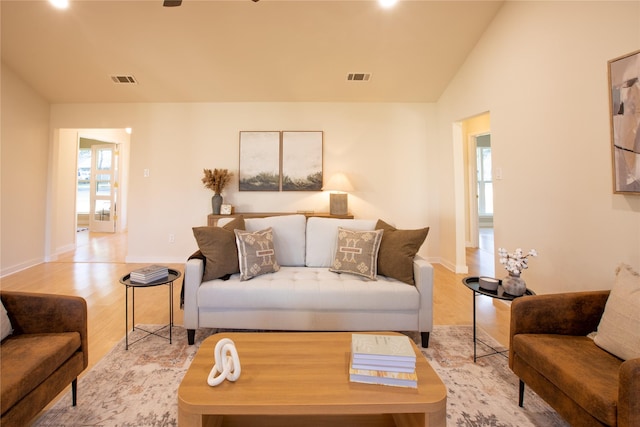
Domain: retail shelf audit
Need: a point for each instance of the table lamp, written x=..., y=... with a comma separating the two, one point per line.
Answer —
x=338, y=185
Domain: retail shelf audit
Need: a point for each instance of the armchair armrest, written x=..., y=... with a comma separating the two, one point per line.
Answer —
x=32, y=313
x=629, y=394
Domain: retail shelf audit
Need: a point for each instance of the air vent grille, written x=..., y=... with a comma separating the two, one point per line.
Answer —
x=124, y=79
x=359, y=77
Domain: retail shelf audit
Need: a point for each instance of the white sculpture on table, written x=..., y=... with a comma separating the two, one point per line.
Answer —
x=227, y=363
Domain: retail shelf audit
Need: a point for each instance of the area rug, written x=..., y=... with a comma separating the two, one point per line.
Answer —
x=138, y=387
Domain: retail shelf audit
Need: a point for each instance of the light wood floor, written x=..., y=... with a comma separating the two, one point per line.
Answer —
x=93, y=270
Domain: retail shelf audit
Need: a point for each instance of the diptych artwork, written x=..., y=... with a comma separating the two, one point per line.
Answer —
x=281, y=161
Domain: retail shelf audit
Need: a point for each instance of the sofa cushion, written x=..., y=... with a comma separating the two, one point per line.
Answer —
x=27, y=360
x=397, y=250
x=592, y=383
x=322, y=234
x=308, y=288
x=256, y=254
x=357, y=252
x=5, y=323
x=619, y=328
x=218, y=245
x=288, y=236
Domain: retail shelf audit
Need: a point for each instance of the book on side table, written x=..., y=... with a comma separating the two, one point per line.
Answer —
x=149, y=274
x=383, y=359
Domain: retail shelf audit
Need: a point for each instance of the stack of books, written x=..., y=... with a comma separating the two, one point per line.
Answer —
x=149, y=274
x=383, y=359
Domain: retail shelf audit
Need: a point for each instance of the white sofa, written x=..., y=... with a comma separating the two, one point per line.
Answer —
x=304, y=294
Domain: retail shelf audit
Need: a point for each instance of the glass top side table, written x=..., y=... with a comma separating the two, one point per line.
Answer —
x=126, y=281
x=473, y=283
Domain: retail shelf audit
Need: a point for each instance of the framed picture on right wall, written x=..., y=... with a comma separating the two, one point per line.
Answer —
x=624, y=107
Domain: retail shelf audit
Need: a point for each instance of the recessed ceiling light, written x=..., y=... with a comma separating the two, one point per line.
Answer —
x=59, y=4
x=387, y=3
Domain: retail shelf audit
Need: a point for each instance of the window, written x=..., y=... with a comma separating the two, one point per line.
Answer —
x=485, y=183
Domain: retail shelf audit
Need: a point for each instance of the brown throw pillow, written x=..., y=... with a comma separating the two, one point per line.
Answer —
x=397, y=250
x=256, y=253
x=357, y=252
x=218, y=245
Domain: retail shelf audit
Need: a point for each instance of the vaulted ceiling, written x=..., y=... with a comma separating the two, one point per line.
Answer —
x=240, y=50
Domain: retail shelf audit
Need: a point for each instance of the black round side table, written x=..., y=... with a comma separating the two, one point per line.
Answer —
x=126, y=281
x=473, y=283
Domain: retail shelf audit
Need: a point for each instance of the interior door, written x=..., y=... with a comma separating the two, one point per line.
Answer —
x=103, y=188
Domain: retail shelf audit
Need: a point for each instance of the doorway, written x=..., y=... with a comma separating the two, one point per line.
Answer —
x=475, y=210
x=97, y=188
x=484, y=191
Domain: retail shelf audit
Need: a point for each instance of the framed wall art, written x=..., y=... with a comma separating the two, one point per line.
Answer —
x=624, y=104
x=302, y=161
x=259, y=161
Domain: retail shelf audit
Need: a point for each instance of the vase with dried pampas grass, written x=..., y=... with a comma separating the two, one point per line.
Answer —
x=215, y=181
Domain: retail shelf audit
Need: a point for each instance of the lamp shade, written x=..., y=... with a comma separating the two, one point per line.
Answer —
x=338, y=182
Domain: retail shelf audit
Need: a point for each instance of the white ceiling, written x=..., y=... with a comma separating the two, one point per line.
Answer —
x=239, y=50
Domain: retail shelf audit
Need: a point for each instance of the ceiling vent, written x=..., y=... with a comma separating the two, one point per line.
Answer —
x=127, y=80
x=359, y=77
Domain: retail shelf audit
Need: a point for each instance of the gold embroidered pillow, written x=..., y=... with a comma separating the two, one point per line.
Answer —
x=256, y=253
x=357, y=252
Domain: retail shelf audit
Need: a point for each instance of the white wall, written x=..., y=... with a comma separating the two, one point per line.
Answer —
x=541, y=72
x=24, y=161
x=384, y=148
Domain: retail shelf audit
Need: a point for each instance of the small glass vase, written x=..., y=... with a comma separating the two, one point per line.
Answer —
x=216, y=203
x=514, y=285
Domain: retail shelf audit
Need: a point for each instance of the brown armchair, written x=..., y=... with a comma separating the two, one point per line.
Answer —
x=550, y=352
x=46, y=352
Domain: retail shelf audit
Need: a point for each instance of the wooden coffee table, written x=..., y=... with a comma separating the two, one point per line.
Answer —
x=300, y=379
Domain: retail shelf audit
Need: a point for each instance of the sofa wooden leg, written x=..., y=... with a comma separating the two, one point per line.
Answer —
x=521, y=394
x=74, y=391
x=191, y=336
x=425, y=339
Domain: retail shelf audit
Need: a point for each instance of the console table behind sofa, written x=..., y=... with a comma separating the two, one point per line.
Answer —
x=212, y=219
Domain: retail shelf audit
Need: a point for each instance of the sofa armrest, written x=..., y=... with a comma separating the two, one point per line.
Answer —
x=33, y=313
x=629, y=394
x=193, y=271
x=423, y=277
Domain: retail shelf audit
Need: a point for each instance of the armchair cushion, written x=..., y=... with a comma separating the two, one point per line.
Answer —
x=39, y=356
x=619, y=328
x=566, y=361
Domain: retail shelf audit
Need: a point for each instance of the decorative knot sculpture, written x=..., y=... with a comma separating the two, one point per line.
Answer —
x=227, y=363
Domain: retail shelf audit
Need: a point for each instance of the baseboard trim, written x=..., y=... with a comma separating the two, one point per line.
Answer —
x=22, y=266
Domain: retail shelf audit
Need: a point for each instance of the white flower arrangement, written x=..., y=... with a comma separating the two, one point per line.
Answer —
x=516, y=262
